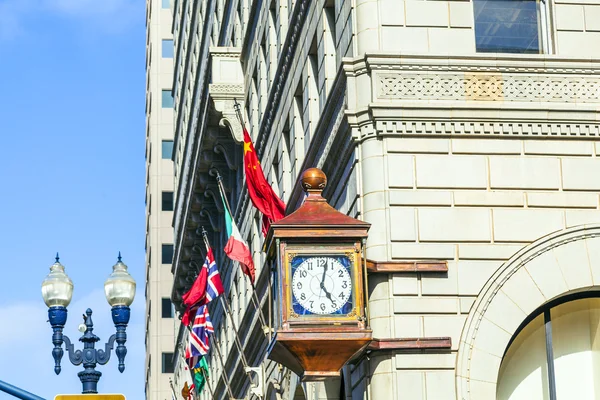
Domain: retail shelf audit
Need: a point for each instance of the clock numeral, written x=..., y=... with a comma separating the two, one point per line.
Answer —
x=333, y=303
x=341, y=295
x=322, y=306
x=299, y=285
x=302, y=296
x=303, y=274
x=341, y=273
x=344, y=284
x=322, y=262
x=309, y=266
x=311, y=303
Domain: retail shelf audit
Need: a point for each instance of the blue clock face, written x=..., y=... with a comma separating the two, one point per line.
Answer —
x=321, y=285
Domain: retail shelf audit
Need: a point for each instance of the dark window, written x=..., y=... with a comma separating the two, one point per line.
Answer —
x=168, y=367
x=167, y=201
x=167, y=253
x=167, y=308
x=167, y=149
x=507, y=26
x=167, y=98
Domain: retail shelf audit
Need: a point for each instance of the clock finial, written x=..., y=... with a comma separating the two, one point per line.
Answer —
x=314, y=180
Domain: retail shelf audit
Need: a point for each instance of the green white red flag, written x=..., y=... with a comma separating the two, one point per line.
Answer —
x=236, y=248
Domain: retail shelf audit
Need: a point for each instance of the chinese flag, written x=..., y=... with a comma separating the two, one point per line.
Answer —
x=261, y=193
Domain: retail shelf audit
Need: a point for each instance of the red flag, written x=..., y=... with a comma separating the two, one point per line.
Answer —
x=207, y=285
x=188, y=315
x=261, y=193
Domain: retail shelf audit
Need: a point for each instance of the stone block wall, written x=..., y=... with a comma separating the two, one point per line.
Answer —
x=473, y=203
x=447, y=27
x=443, y=178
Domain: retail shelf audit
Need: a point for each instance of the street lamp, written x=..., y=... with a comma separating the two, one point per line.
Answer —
x=57, y=291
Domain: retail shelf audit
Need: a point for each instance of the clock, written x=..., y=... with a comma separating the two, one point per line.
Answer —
x=321, y=285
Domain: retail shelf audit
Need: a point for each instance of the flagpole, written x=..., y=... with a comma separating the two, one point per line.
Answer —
x=225, y=377
x=226, y=306
x=238, y=110
x=255, y=299
x=172, y=389
x=212, y=394
x=216, y=346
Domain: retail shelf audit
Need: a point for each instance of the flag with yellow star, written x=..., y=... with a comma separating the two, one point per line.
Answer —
x=261, y=193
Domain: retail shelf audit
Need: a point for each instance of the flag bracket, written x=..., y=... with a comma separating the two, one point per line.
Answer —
x=267, y=330
x=257, y=383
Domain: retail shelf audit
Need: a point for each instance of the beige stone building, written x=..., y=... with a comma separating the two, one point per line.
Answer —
x=466, y=133
x=160, y=333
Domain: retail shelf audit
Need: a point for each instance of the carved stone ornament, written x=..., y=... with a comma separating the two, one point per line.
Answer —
x=490, y=87
x=229, y=118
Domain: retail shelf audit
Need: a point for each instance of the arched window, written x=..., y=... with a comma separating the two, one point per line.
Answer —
x=555, y=353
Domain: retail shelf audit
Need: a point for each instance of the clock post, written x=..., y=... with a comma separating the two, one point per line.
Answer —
x=321, y=320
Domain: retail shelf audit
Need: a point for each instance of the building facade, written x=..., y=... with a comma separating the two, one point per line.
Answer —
x=465, y=132
x=160, y=331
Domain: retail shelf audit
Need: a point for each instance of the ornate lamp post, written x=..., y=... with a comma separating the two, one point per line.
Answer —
x=57, y=290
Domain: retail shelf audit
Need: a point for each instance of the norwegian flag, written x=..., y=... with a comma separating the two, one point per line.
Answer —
x=206, y=287
x=214, y=285
x=198, y=343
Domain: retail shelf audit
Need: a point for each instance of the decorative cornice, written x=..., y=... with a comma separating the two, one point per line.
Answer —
x=475, y=95
x=496, y=128
x=498, y=63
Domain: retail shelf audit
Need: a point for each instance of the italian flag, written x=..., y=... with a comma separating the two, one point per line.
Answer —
x=236, y=248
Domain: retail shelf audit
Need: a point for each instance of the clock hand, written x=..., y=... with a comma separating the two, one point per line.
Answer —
x=324, y=273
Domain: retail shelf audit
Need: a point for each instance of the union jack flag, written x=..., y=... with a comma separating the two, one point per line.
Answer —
x=208, y=285
x=198, y=343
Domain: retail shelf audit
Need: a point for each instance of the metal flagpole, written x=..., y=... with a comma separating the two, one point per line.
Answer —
x=255, y=299
x=238, y=111
x=212, y=394
x=225, y=377
x=203, y=374
x=226, y=306
x=172, y=389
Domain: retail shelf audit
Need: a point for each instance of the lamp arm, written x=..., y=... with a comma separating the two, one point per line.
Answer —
x=76, y=357
x=102, y=356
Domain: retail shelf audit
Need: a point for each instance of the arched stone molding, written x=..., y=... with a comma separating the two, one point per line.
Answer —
x=560, y=263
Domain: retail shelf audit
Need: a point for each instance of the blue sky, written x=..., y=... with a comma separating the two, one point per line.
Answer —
x=72, y=179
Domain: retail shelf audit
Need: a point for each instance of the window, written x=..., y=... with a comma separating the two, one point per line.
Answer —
x=166, y=3
x=168, y=367
x=167, y=98
x=167, y=149
x=167, y=201
x=167, y=308
x=167, y=253
x=555, y=354
x=508, y=26
x=167, y=48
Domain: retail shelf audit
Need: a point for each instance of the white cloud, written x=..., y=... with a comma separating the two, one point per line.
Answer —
x=113, y=16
